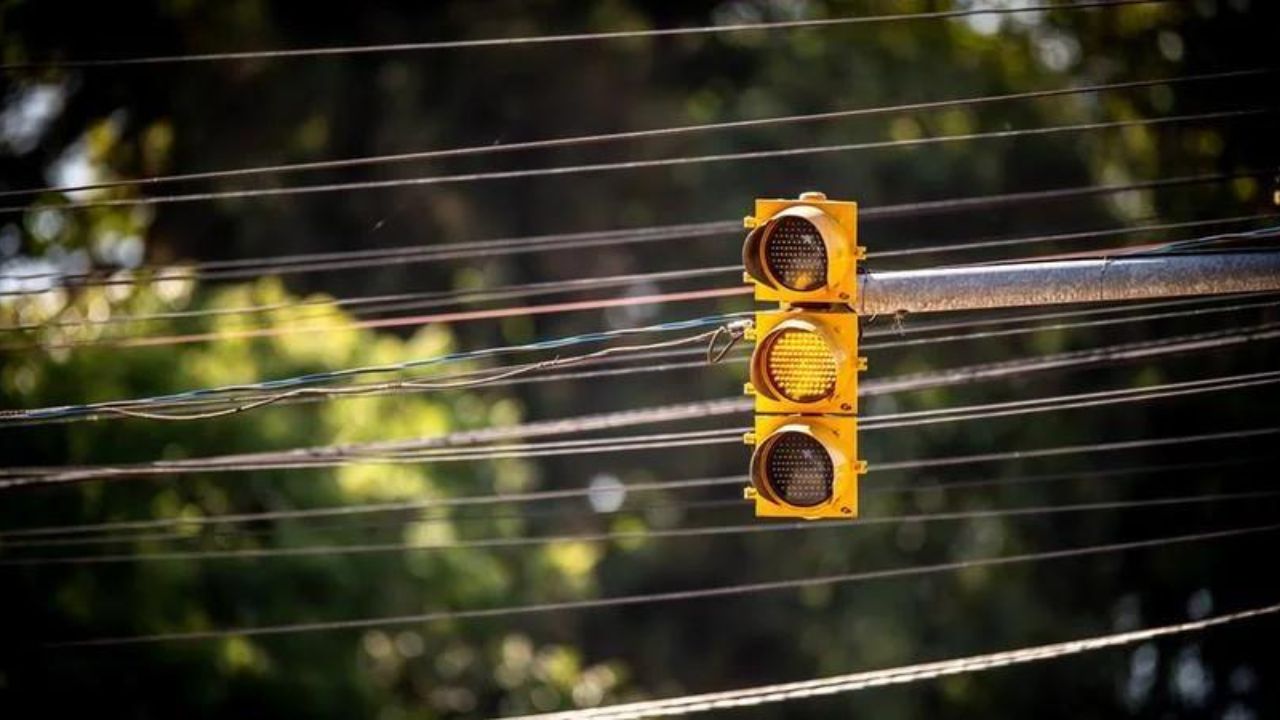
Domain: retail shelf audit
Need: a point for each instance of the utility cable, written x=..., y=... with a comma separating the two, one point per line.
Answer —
x=866, y=424
x=987, y=334
x=418, y=451
x=851, y=682
x=1120, y=445
x=204, y=528
x=990, y=411
x=986, y=318
x=19, y=417
x=527, y=40
x=870, y=424
x=1065, y=236
x=334, y=375
x=648, y=534
x=409, y=321
x=448, y=317
x=345, y=260
x=194, y=528
x=1092, y=357
x=720, y=591
x=49, y=476
x=90, y=409
x=503, y=376
x=1245, y=335
x=489, y=379
x=950, y=205
x=361, y=509
x=490, y=499
x=697, y=295
x=1233, y=242
x=352, y=259
x=594, y=168
x=222, y=534
x=595, y=139
x=361, y=306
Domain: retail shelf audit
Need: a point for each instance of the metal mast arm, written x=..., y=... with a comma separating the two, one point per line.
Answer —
x=1070, y=281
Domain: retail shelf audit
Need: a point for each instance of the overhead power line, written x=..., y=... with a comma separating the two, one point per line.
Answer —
x=346, y=260
x=1069, y=402
x=250, y=268
x=1230, y=272
x=510, y=375
x=1234, y=274
x=1118, y=353
x=593, y=168
x=989, y=202
x=497, y=506
x=867, y=424
x=445, y=298
x=477, y=380
x=988, y=334
x=1074, y=449
x=720, y=591
x=784, y=692
x=594, y=139
x=360, y=306
x=898, y=333
x=1023, y=240
x=437, y=450
x=1235, y=241
x=363, y=509
x=954, y=376
x=372, y=304
x=13, y=537
x=528, y=40
x=409, y=321
x=1194, y=305
x=647, y=534
x=1077, y=359
x=334, y=375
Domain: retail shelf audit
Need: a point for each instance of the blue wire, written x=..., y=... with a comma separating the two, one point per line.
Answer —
x=1180, y=245
x=323, y=377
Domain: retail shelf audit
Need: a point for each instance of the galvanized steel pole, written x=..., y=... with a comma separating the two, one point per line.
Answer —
x=1069, y=281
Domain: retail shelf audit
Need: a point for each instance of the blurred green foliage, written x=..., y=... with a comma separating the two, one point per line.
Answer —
x=66, y=126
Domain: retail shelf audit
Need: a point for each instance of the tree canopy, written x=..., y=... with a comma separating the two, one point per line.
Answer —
x=62, y=343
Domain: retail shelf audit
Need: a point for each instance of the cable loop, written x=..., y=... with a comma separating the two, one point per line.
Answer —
x=734, y=333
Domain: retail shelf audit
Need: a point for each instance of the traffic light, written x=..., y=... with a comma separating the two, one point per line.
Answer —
x=803, y=251
x=805, y=466
x=804, y=368
x=802, y=362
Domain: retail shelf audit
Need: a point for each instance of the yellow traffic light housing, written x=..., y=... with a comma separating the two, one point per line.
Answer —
x=804, y=368
x=805, y=466
x=805, y=362
x=803, y=251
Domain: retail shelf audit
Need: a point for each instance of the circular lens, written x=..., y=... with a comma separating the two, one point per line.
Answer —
x=800, y=365
x=795, y=255
x=799, y=469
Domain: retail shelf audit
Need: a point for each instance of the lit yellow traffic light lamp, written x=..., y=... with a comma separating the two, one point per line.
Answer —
x=804, y=250
x=805, y=362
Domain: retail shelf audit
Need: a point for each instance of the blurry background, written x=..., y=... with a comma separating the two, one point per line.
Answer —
x=76, y=125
